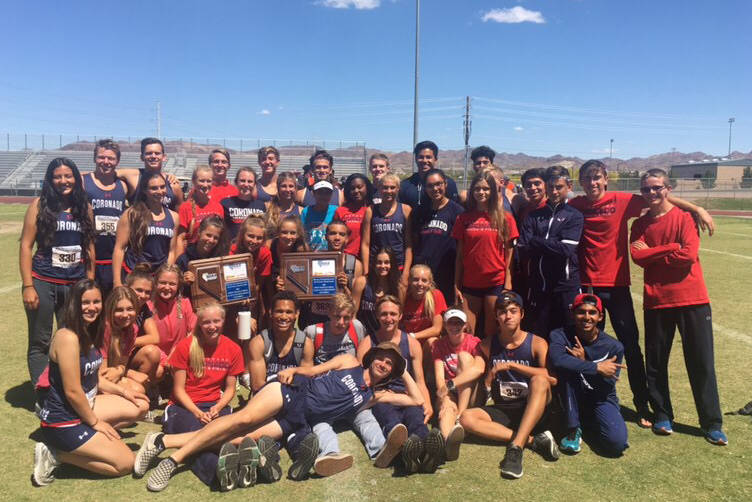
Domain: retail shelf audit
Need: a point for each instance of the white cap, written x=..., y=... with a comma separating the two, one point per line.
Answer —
x=455, y=313
x=322, y=184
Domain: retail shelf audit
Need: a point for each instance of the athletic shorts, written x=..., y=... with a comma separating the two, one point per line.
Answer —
x=67, y=438
x=292, y=417
x=482, y=292
x=511, y=416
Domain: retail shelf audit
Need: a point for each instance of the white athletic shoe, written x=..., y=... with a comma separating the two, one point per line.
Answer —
x=44, y=465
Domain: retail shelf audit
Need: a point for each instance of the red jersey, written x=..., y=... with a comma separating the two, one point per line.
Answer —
x=262, y=261
x=443, y=350
x=673, y=275
x=352, y=219
x=186, y=213
x=603, y=246
x=222, y=191
x=173, y=324
x=223, y=360
x=414, y=317
x=483, y=255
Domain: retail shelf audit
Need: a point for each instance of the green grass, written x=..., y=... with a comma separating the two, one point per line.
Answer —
x=681, y=467
x=733, y=204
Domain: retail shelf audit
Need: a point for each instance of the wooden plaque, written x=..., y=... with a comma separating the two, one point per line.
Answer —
x=225, y=279
x=311, y=275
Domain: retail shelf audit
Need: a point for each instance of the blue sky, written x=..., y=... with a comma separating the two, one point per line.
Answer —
x=545, y=77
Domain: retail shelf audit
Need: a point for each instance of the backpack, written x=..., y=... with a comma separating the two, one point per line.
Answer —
x=318, y=340
x=297, y=345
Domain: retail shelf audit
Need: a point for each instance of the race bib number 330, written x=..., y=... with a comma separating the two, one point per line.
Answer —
x=66, y=256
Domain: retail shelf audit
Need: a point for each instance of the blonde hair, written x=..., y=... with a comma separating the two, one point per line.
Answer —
x=340, y=302
x=429, y=305
x=390, y=177
x=115, y=349
x=253, y=220
x=273, y=217
x=220, y=151
x=196, y=351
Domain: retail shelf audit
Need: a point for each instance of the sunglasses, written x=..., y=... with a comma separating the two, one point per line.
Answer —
x=653, y=189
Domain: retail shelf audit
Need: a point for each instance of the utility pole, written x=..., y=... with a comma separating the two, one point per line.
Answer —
x=417, y=67
x=611, y=149
x=731, y=121
x=468, y=129
x=159, y=120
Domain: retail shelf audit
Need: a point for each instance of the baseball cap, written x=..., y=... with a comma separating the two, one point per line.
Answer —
x=588, y=298
x=322, y=184
x=509, y=295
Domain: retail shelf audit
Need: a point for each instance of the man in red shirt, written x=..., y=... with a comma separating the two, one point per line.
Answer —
x=665, y=243
x=219, y=161
x=604, y=264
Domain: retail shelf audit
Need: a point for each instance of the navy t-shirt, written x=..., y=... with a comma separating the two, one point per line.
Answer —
x=436, y=247
x=237, y=210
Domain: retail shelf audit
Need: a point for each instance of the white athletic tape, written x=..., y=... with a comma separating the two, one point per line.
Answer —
x=742, y=256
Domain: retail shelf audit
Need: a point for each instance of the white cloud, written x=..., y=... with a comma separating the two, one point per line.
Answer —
x=519, y=128
x=264, y=112
x=346, y=4
x=514, y=15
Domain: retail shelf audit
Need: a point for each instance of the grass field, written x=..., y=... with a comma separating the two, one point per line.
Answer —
x=680, y=467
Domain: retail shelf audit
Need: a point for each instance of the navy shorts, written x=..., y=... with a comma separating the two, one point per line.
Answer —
x=481, y=292
x=292, y=417
x=67, y=438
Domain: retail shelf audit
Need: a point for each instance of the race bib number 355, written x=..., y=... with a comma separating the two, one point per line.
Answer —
x=66, y=256
x=105, y=225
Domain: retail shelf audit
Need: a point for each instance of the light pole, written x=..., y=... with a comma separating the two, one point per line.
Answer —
x=731, y=121
x=611, y=149
x=417, y=66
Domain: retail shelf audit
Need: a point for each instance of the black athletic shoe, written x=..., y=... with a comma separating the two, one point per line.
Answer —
x=434, y=450
x=545, y=444
x=304, y=458
x=412, y=451
x=269, y=469
x=511, y=465
x=227, y=467
x=248, y=461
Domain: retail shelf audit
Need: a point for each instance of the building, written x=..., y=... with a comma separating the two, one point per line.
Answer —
x=722, y=170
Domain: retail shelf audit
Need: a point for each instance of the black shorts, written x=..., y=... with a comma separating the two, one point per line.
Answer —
x=67, y=439
x=511, y=416
x=483, y=292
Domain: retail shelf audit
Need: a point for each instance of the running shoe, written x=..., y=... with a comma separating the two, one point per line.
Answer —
x=45, y=464
x=333, y=463
x=248, y=461
x=545, y=444
x=394, y=441
x=511, y=464
x=715, y=436
x=269, y=469
x=304, y=458
x=412, y=451
x=746, y=409
x=434, y=449
x=227, y=467
x=571, y=444
x=147, y=453
x=160, y=476
x=453, y=442
x=245, y=380
x=663, y=428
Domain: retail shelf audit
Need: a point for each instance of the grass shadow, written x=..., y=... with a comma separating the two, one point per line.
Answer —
x=21, y=396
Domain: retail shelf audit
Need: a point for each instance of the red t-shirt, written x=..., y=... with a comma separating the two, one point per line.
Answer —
x=222, y=191
x=186, y=216
x=127, y=342
x=443, y=350
x=352, y=219
x=483, y=256
x=262, y=261
x=173, y=327
x=603, y=246
x=223, y=360
x=415, y=319
x=673, y=275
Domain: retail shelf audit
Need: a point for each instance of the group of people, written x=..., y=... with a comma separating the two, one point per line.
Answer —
x=458, y=312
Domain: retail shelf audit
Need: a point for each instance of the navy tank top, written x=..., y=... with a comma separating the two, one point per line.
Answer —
x=156, y=246
x=262, y=194
x=510, y=387
x=63, y=261
x=237, y=210
x=56, y=410
x=310, y=200
x=367, y=310
x=275, y=363
x=169, y=200
x=336, y=394
x=398, y=384
x=108, y=205
x=388, y=231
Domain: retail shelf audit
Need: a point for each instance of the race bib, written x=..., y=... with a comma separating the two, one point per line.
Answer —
x=66, y=256
x=321, y=308
x=91, y=396
x=105, y=225
x=512, y=391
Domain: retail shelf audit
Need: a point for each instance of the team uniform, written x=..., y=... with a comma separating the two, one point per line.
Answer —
x=221, y=191
x=191, y=213
x=274, y=361
x=548, y=247
x=169, y=201
x=414, y=316
x=388, y=232
x=411, y=191
x=367, y=309
x=604, y=271
x=675, y=296
x=261, y=194
x=235, y=210
x=156, y=247
x=353, y=220
x=589, y=400
x=53, y=270
x=108, y=206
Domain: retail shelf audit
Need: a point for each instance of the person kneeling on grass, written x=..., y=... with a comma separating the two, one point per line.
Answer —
x=303, y=395
x=587, y=363
x=457, y=367
x=520, y=385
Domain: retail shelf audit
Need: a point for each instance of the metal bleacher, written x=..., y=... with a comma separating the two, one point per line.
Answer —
x=9, y=162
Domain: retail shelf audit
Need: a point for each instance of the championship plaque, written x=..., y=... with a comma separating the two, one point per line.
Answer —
x=225, y=279
x=311, y=275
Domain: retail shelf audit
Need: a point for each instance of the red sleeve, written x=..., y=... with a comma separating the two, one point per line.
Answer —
x=439, y=302
x=190, y=315
x=236, y=366
x=339, y=212
x=264, y=265
x=635, y=205
x=186, y=214
x=104, y=348
x=179, y=357
x=458, y=230
x=644, y=257
x=512, y=226
x=690, y=243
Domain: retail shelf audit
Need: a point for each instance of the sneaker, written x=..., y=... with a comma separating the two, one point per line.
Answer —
x=511, y=464
x=248, y=461
x=663, y=428
x=147, y=453
x=545, y=444
x=394, y=441
x=152, y=417
x=269, y=469
x=160, y=476
x=716, y=437
x=304, y=458
x=434, y=449
x=44, y=465
x=571, y=444
x=453, y=442
x=245, y=380
x=412, y=451
x=746, y=409
x=227, y=467
x=332, y=464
